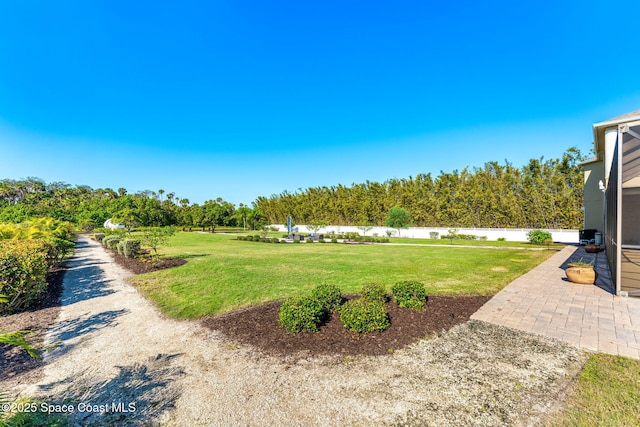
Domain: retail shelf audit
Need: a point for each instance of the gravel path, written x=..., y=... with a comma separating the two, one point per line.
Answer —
x=116, y=348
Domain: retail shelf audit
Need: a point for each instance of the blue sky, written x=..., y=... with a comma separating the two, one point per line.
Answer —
x=238, y=99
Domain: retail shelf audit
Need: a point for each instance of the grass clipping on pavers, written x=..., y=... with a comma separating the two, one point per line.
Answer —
x=480, y=374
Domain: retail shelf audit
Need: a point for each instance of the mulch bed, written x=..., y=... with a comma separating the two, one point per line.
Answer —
x=145, y=265
x=258, y=326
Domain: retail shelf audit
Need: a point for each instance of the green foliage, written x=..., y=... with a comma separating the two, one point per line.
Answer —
x=155, y=237
x=130, y=248
x=433, y=234
x=541, y=194
x=17, y=339
x=98, y=236
x=23, y=272
x=329, y=296
x=410, y=294
x=58, y=250
x=362, y=316
x=334, y=240
x=502, y=239
x=398, y=218
x=301, y=314
x=538, y=237
x=374, y=292
x=111, y=241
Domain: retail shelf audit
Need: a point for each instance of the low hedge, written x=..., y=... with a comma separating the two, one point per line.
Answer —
x=130, y=248
x=23, y=272
x=301, y=314
x=329, y=296
x=362, y=316
x=410, y=295
x=111, y=242
x=374, y=292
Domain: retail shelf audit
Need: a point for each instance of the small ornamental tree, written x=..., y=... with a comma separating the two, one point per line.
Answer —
x=398, y=218
x=155, y=237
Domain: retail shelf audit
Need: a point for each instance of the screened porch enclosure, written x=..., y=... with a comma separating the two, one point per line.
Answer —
x=625, y=228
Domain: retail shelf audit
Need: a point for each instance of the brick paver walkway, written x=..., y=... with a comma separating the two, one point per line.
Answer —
x=542, y=301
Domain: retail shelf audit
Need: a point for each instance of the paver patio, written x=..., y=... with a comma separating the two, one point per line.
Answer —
x=544, y=302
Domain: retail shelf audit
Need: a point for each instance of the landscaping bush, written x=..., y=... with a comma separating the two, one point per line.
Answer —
x=334, y=240
x=309, y=240
x=98, y=237
x=256, y=238
x=57, y=250
x=111, y=242
x=538, y=237
x=410, y=294
x=23, y=273
x=301, y=314
x=275, y=240
x=374, y=292
x=130, y=248
x=362, y=316
x=329, y=296
x=434, y=234
x=502, y=239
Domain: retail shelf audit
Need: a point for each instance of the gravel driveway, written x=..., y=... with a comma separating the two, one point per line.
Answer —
x=120, y=362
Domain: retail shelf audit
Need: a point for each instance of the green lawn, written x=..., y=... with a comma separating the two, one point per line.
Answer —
x=223, y=273
x=607, y=393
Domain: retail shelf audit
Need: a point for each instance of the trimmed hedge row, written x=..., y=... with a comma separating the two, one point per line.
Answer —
x=129, y=248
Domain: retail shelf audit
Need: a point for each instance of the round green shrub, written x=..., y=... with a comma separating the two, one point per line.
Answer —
x=309, y=240
x=374, y=292
x=410, y=295
x=130, y=248
x=98, y=237
x=111, y=242
x=334, y=240
x=537, y=237
x=329, y=296
x=362, y=316
x=275, y=240
x=301, y=314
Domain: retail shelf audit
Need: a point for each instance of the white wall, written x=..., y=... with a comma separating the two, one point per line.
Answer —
x=511, y=234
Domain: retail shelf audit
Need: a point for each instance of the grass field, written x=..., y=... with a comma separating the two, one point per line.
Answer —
x=606, y=393
x=223, y=273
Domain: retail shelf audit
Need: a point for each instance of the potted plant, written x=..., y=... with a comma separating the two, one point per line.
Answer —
x=581, y=272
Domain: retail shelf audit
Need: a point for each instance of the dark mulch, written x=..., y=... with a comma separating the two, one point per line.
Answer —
x=15, y=364
x=145, y=265
x=258, y=326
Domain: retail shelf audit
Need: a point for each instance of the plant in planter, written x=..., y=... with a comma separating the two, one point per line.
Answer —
x=581, y=272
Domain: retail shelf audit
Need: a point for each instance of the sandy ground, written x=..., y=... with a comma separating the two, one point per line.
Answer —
x=120, y=362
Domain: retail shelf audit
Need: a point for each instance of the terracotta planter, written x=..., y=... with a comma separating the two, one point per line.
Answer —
x=583, y=275
x=592, y=248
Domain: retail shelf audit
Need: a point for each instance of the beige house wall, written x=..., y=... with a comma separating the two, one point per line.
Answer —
x=593, y=196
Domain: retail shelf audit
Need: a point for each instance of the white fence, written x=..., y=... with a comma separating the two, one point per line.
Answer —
x=510, y=234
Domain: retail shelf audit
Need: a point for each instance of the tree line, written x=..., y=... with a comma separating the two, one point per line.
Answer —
x=541, y=194
x=21, y=200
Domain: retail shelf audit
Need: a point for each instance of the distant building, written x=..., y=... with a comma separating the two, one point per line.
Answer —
x=612, y=197
x=113, y=226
